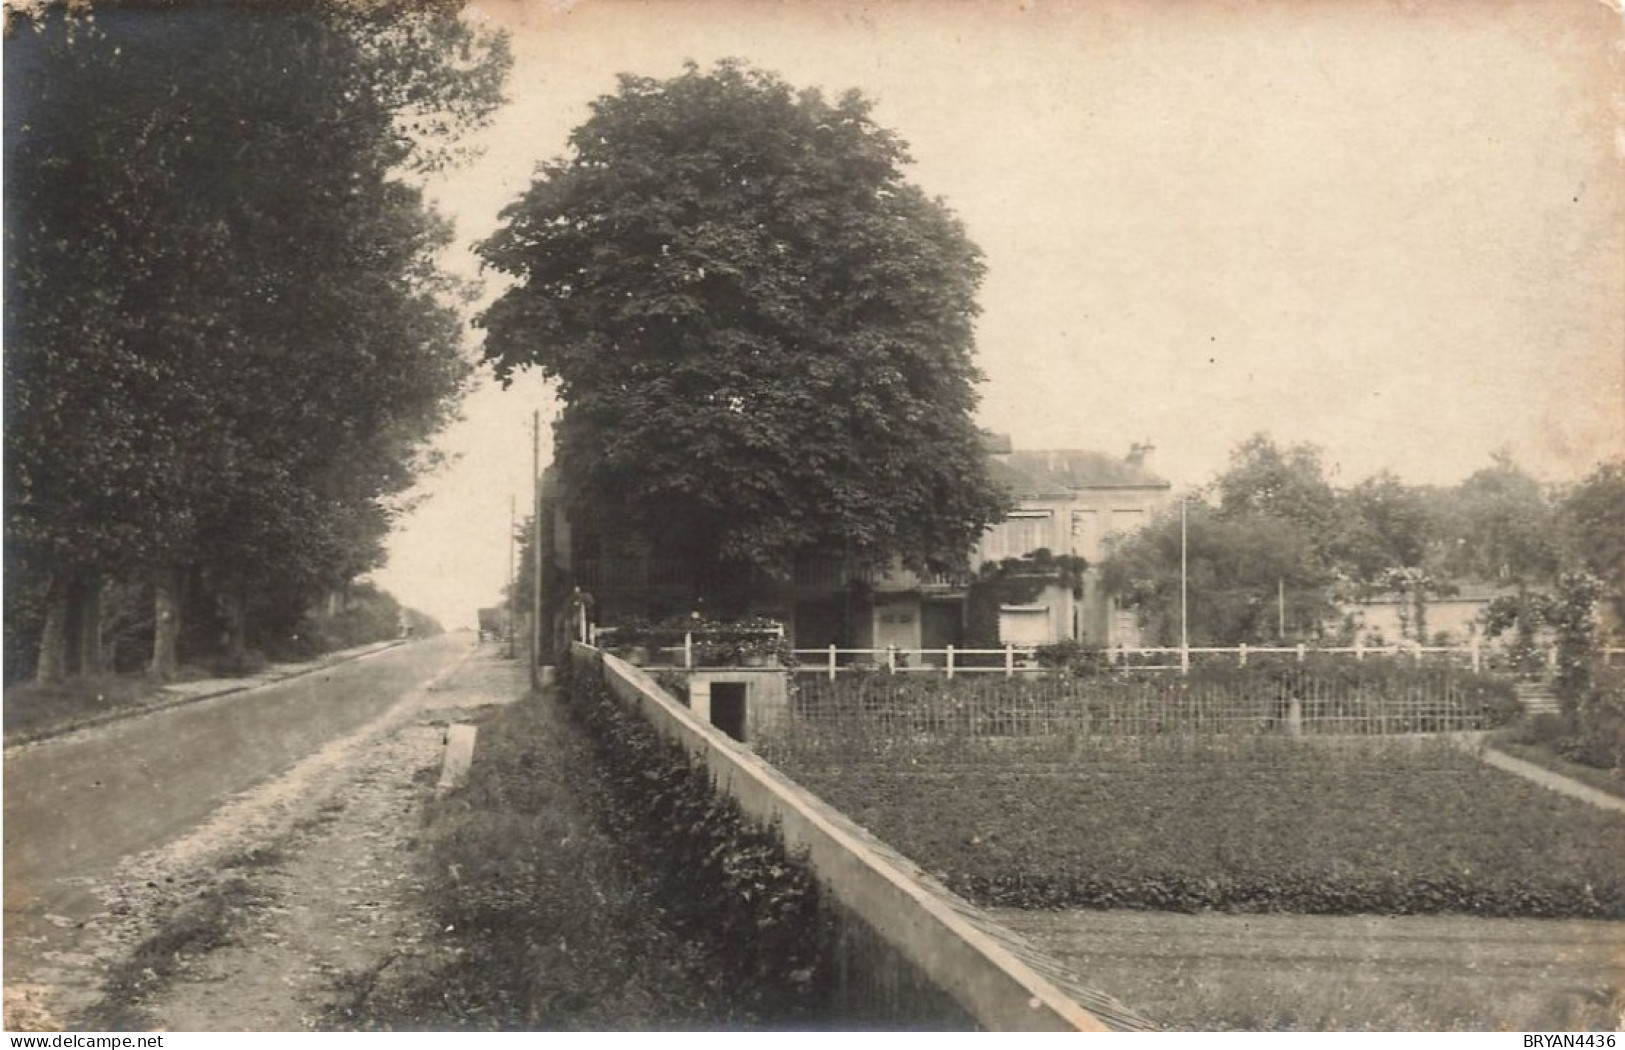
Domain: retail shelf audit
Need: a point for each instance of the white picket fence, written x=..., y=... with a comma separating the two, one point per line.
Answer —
x=1012, y=660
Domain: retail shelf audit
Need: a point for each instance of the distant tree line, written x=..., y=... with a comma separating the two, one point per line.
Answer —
x=227, y=338
x=1274, y=549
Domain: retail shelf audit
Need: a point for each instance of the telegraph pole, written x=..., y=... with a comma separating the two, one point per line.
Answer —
x=513, y=591
x=1184, y=598
x=535, y=547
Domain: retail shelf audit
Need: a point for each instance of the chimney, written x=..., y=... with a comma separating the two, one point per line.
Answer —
x=1139, y=454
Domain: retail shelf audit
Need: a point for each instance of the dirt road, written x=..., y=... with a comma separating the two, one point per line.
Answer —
x=334, y=900
x=99, y=821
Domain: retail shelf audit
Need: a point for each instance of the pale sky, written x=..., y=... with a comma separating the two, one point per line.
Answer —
x=1396, y=231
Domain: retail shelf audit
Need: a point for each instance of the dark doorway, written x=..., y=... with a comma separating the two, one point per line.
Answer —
x=728, y=708
x=820, y=624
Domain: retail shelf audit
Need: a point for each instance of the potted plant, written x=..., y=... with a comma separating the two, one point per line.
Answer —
x=766, y=651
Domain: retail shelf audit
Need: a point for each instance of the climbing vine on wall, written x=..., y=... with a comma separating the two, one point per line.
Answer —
x=1016, y=581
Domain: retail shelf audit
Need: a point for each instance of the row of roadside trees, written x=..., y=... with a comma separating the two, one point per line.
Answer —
x=228, y=339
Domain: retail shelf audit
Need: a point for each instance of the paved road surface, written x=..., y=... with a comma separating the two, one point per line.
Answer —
x=76, y=805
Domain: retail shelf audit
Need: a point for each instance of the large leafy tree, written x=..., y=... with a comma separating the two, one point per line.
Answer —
x=1593, y=515
x=226, y=334
x=1500, y=526
x=1388, y=540
x=761, y=332
x=1386, y=525
x=1249, y=578
x=1504, y=526
x=1593, y=519
x=1260, y=552
x=1288, y=484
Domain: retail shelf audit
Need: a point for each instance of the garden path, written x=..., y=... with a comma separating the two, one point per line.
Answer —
x=1548, y=779
x=1555, y=781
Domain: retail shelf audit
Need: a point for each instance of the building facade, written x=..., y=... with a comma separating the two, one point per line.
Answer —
x=1072, y=502
x=1065, y=501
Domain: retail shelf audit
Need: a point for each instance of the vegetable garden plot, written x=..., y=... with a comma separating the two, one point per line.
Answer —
x=1259, y=825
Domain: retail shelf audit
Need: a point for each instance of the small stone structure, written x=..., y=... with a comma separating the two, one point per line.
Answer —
x=459, y=757
x=762, y=696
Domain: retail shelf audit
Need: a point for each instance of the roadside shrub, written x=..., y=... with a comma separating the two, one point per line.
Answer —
x=757, y=641
x=1542, y=729
x=1599, y=739
x=544, y=920
x=1593, y=735
x=1072, y=657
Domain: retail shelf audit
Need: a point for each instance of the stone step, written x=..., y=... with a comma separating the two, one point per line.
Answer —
x=1537, y=698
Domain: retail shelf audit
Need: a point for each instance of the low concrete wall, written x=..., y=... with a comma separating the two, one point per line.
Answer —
x=958, y=952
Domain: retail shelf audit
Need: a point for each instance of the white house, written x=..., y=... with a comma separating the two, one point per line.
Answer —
x=1071, y=501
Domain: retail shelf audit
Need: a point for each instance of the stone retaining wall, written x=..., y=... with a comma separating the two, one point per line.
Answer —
x=919, y=954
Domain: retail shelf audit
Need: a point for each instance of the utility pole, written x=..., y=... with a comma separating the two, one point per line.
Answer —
x=1280, y=606
x=513, y=595
x=536, y=548
x=1184, y=598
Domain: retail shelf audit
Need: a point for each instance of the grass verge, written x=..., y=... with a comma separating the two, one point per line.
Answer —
x=34, y=709
x=542, y=919
x=1266, y=825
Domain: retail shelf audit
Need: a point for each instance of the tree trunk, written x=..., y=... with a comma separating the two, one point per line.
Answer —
x=53, y=643
x=86, y=618
x=236, y=625
x=166, y=623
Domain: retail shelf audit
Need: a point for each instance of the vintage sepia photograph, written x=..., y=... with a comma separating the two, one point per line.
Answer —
x=806, y=516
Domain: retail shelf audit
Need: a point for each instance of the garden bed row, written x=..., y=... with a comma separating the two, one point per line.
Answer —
x=1269, y=825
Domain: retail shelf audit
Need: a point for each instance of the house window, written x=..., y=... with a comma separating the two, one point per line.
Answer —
x=1025, y=625
x=1023, y=532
